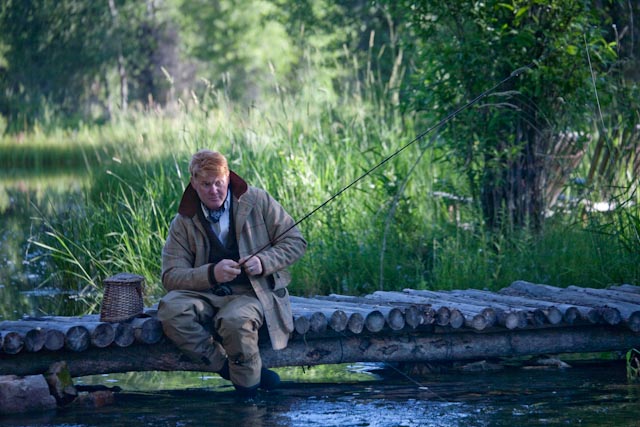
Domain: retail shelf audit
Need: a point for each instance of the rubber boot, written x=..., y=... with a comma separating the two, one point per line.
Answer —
x=224, y=372
x=269, y=379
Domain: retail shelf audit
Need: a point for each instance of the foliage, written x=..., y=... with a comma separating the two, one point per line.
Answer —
x=304, y=97
x=501, y=144
x=433, y=240
x=633, y=364
x=246, y=38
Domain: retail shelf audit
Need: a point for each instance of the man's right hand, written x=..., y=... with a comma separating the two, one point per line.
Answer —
x=226, y=270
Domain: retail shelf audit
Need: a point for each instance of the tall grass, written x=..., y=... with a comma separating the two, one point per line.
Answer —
x=390, y=231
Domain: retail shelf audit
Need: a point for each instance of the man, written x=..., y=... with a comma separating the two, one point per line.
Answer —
x=224, y=264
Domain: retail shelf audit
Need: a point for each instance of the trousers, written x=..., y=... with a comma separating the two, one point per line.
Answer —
x=213, y=329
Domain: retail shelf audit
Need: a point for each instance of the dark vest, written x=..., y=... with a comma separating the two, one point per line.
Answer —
x=218, y=251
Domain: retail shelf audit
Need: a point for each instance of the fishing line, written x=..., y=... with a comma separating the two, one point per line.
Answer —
x=438, y=125
x=415, y=382
x=419, y=385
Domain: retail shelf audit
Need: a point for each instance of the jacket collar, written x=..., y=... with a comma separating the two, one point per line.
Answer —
x=190, y=202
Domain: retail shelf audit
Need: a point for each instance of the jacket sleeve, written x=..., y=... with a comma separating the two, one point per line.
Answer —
x=179, y=269
x=287, y=244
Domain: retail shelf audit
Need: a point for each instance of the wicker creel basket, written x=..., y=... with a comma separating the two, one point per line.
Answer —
x=122, y=298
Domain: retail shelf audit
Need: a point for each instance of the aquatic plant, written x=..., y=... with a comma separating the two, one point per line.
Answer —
x=633, y=364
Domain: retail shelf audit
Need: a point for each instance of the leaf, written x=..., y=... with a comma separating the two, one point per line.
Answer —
x=521, y=12
x=506, y=6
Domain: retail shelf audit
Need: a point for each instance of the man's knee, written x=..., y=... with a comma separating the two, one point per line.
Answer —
x=237, y=324
x=177, y=305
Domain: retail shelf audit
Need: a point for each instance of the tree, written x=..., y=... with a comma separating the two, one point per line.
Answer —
x=52, y=50
x=505, y=143
x=61, y=55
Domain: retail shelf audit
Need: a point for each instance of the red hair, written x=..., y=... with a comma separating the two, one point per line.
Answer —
x=208, y=161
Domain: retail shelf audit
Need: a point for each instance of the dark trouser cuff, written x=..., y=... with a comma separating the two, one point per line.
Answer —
x=246, y=392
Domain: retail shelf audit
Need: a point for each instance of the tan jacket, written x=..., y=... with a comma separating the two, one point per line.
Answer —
x=258, y=219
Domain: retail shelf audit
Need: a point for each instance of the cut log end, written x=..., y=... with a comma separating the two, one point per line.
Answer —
x=301, y=325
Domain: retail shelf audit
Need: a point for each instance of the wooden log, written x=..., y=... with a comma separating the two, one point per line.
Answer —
x=571, y=315
x=77, y=338
x=373, y=315
x=633, y=322
x=394, y=315
x=147, y=330
x=21, y=337
x=100, y=334
x=511, y=319
x=34, y=340
x=338, y=321
x=53, y=340
x=585, y=312
x=301, y=324
x=472, y=314
x=13, y=342
x=610, y=315
x=318, y=322
x=31, y=337
x=56, y=336
x=395, y=347
x=552, y=311
x=397, y=314
x=626, y=288
x=374, y=321
x=610, y=294
x=319, y=318
x=413, y=316
x=612, y=312
x=477, y=322
x=489, y=313
x=356, y=323
x=427, y=314
x=124, y=335
x=443, y=315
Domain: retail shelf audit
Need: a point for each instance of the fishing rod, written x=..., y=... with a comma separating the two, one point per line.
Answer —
x=438, y=125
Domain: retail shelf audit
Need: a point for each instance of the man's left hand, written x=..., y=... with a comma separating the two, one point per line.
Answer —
x=252, y=265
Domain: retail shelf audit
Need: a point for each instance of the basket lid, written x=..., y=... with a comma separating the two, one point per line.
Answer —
x=124, y=279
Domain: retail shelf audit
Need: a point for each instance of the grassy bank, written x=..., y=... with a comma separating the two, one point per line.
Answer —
x=393, y=230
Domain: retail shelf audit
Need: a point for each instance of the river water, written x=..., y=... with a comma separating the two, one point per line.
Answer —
x=581, y=395
x=345, y=395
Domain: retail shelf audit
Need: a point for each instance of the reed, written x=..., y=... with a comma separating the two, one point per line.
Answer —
x=391, y=231
x=633, y=365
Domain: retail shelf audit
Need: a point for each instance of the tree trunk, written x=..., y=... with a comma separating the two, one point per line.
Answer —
x=122, y=70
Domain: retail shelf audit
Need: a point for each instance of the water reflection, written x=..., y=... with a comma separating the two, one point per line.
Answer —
x=589, y=396
x=27, y=286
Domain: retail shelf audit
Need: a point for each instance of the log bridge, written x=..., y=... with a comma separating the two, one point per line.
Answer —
x=524, y=319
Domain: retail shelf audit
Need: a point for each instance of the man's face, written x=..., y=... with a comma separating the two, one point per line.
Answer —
x=211, y=189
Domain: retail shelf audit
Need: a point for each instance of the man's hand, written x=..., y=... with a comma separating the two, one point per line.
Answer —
x=226, y=270
x=252, y=265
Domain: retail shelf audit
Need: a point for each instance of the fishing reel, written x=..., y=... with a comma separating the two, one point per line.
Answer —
x=222, y=290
